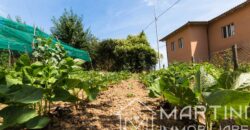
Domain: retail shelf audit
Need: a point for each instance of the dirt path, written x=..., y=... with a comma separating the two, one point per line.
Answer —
x=119, y=103
x=125, y=105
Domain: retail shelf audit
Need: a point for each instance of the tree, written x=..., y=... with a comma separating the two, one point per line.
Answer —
x=69, y=28
x=135, y=58
x=132, y=54
x=106, y=57
x=138, y=39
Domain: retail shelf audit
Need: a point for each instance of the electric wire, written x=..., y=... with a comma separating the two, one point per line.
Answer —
x=169, y=8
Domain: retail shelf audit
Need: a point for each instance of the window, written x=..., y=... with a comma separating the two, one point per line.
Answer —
x=228, y=31
x=173, y=46
x=181, y=43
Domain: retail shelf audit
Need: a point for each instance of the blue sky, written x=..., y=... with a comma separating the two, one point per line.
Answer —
x=118, y=18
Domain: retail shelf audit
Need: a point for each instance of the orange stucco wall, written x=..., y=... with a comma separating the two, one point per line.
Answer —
x=180, y=54
x=241, y=20
x=195, y=44
x=199, y=43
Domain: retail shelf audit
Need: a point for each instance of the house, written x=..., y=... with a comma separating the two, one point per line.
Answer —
x=199, y=40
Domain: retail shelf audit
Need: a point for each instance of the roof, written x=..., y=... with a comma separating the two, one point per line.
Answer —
x=236, y=8
x=244, y=4
x=184, y=26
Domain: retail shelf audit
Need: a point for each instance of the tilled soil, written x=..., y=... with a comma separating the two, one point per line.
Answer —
x=123, y=106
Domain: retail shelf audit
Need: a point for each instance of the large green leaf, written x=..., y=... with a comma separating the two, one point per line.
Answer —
x=36, y=65
x=178, y=94
x=26, y=95
x=245, y=120
x=27, y=75
x=155, y=89
x=172, y=98
x=63, y=95
x=13, y=80
x=242, y=81
x=182, y=96
x=91, y=93
x=228, y=99
x=73, y=83
x=204, y=81
x=2, y=76
x=24, y=60
x=37, y=122
x=3, y=89
x=227, y=80
x=242, y=121
x=16, y=115
x=234, y=81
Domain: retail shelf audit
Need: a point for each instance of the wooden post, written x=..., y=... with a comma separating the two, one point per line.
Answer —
x=193, y=60
x=9, y=55
x=26, y=52
x=34, y=36
x=235, y=57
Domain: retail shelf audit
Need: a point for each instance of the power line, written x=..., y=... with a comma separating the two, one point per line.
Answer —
x=175, y=3
x=156, y=26
x=148, y=25
x=153, y=21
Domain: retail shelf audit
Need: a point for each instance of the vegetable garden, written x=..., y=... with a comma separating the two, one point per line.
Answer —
x=32, y=88
x=36, y=82
x=48, y=75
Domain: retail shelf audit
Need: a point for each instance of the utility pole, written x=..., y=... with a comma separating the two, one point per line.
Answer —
x=157, y=38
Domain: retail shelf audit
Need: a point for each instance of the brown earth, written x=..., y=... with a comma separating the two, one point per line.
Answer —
x=122, y=106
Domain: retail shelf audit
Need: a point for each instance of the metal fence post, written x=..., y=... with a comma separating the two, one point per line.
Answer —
x=235, y=57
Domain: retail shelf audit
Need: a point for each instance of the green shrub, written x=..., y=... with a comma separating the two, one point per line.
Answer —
x=132, y=54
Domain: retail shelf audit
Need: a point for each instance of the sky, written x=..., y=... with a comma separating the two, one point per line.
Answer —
x=119, y=18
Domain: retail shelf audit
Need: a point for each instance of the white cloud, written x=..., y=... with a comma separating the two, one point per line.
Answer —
x=150, y=2
x=159, y=3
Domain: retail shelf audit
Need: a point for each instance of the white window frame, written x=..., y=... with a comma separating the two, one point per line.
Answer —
x=181, y=42
x=232, y=29
x=228, y=30
x=172, y=46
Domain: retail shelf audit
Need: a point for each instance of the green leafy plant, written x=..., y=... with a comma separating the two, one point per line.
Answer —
x=29, y=89
x=49, y=72
x=4, y=58
x=230, y=90
x=20, y=100
x=48, y=75
x=92, y=82
x=184, y=85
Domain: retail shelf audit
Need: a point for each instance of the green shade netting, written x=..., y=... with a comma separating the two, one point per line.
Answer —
x=19, y=37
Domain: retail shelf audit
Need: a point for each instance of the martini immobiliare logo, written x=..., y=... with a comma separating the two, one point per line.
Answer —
x=146, y=118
